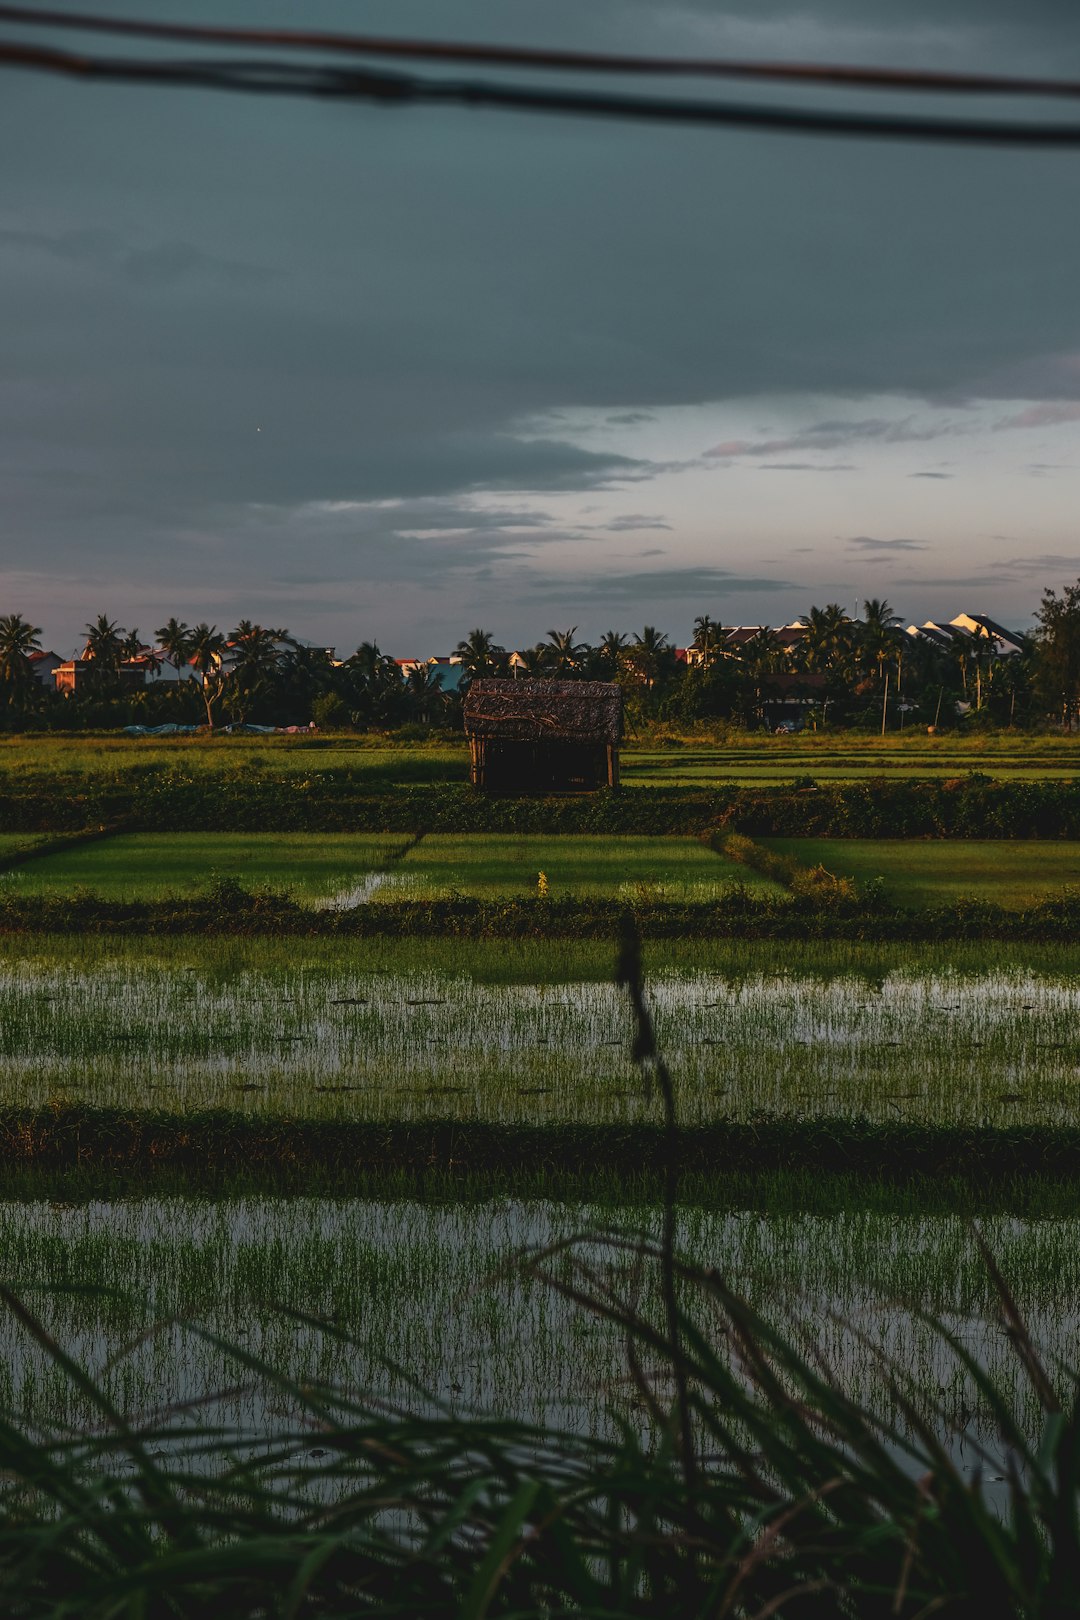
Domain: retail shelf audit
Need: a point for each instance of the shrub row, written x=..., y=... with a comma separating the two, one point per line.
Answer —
x=963, y=807
x=344, y=801
x=815, y=882
x=332, y=801
x=221, y=1145
x=823, y=911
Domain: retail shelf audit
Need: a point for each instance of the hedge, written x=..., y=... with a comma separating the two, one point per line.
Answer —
x=820, y=912
x=341, y=800
x=219, y=1144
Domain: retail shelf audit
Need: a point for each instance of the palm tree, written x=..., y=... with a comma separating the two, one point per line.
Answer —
x=829, y=641
x=647, y=653
x=105, y=642
x=479, y=654
x=707, y=638
x=256, y=655
x=611, y=649
x=425, y=689
x=132, y=647
x=206, y=652
x=174, y=639
x=879, y=636
x=18, y=639
x=536, y=661
x=566, y=654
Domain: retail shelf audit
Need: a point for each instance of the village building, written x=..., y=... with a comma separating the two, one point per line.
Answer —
x=72, y=676
x=543, y=736
x=43, y=664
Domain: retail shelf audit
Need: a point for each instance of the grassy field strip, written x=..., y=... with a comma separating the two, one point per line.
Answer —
x=334, y=1040
x=349, y=869
x=314, y=866
x=13, y=844
x=355, y=755
x=420, y=1286
x=919, y=872
x=490, y=865
x=742, y=776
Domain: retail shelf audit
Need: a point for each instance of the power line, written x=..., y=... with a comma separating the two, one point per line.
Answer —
x=379, y=86
x=563, y=61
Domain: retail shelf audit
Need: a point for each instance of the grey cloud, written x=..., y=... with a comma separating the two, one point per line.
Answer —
x=929, y=475
x=669, y=584
x=630, y=418
x=1050, y=561
x=1047, y=413
x=834, y=435
x=807, y=466
x=160, y=264
x=627, y=522
x=867, y=542
x=964, y=581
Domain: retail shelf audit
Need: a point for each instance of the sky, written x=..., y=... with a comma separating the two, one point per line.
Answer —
x=392, y=373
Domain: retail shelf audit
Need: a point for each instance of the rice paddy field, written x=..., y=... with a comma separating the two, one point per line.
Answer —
x=691, y=761
x=420, y=1300
x=346, y=869
x=414, y=1030
x=757, y=760
x=423, y=1305
x=918, y=873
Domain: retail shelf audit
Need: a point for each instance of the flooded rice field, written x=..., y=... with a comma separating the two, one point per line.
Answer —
x=423, y=1304
x=341, y=1035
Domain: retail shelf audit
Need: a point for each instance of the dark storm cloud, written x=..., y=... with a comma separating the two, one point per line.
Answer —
x=216, y=307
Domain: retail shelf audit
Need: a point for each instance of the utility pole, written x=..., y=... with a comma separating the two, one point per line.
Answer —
x=885, y=703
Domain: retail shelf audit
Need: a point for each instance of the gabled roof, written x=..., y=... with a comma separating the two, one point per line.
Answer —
x=530, y=710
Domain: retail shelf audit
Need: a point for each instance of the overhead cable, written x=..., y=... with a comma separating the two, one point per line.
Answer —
x=562, y=61
x=326, y=82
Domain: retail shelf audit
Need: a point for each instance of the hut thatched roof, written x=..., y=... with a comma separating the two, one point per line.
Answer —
x=528, y=711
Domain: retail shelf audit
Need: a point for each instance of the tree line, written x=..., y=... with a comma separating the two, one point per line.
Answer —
x=833, y=670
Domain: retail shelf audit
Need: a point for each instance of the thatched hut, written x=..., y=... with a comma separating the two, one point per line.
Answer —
x=544, y=736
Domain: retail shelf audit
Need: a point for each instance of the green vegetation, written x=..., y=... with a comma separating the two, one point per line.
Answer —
x=333, y=867
x=916, y=873
x=414, y=1031
x=425, y=1296
x=374, y=758
x=15, y=843
x=738, y=1469
x=149, y=865
x=651, y=869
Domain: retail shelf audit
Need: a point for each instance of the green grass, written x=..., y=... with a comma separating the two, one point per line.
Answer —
x=112, y=754
x=919, y=872
x=333, y=867
x=695, y=761
x=493, y=866
x=12, y=843
x=777, y=761
x=150, y=865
